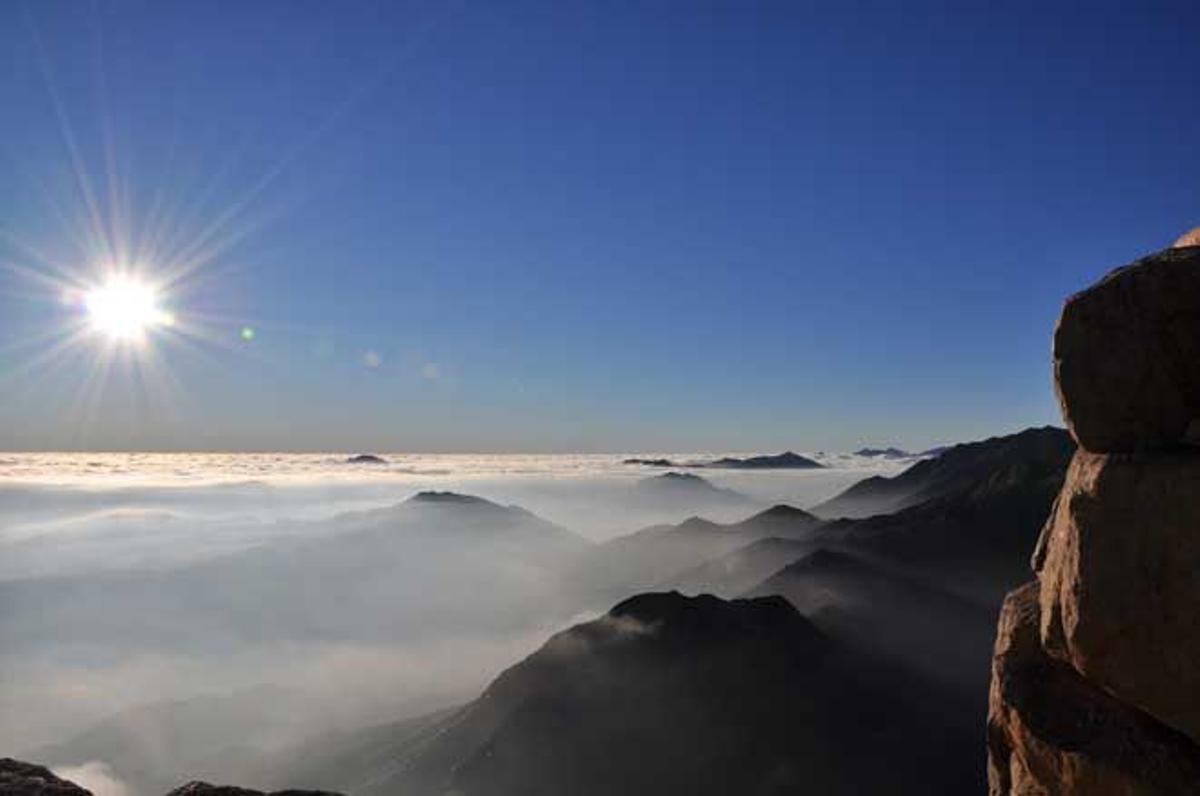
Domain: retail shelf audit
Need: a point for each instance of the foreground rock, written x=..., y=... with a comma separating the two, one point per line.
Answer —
x=26, y=779
x=1096, y=674
x=1127, y=355
x=1052, y=731
x=1119, y=565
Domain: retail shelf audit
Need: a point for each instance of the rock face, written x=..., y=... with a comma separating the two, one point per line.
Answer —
x=26, y=779
x=1120, y=592
x=1096, y=672
x=1051, y=731
x=1127, y=355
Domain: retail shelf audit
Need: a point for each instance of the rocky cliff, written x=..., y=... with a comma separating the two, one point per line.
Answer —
x=1096, y=672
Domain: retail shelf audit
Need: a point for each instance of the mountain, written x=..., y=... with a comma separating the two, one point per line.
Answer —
x=651, y=462
x=667, y=694
x=235, y=737
x=734, y=573
x=974, y=512
x=365, y=458
x=779, y=461
x=891, y=613
x=197, y=788
x=683, y=492
x=883, y=453
x=413, y=570
x=648, y=558
x=1003, y=459
x=18, y=778
x=686, y=484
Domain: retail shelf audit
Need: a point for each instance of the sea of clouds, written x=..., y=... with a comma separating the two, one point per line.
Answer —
x=80, y=519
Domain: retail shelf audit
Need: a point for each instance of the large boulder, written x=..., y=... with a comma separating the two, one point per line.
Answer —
x=1051, y=731
x=1119, y=565
x=18, y=778
x=1127, y=356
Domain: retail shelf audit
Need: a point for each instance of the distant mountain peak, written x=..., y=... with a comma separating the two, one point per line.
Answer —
x=434, y=497
x=788, y=460
x=677, y=476
x=782, y=511
x=366, y=458
x=197, y=788
x=883, y=453
x=988, y=465
x=696, y=523
x=709, y=617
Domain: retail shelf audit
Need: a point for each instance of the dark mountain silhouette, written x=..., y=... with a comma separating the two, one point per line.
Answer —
x=956, y=469
x=366, y=458
x=649, y=557
x=197, y=788
x=681, y=493
x=980, y=509
x=651, y=462
x=18, y=778
x=734, y=573
x=889, y=612
x=668, y=694
x=683, y=483
x=779, y=461
x=975, y=511
x=883, y=453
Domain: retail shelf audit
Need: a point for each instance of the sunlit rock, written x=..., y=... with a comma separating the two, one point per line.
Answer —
x=1127, y=355
x=1120, y=595
x=1052, y=731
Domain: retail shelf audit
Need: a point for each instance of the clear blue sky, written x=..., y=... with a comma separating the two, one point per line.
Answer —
x=585, y=226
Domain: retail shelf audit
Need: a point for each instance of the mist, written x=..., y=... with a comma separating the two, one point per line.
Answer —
x=288, y=597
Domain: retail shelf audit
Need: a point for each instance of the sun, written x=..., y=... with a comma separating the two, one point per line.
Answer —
x=123, y=309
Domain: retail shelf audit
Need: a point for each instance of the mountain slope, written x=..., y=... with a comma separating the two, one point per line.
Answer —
x=956, y=469
x=890, y=613
x=684, y=493
x=777, y=461
x=671, y=695
x=732, y=574
x=410, y=570
x=974, y=536
x=651, y=556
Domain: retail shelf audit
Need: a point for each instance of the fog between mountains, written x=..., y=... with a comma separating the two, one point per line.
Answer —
x=123, y=591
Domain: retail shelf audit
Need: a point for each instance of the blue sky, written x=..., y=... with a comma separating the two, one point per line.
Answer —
x=582, y=226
